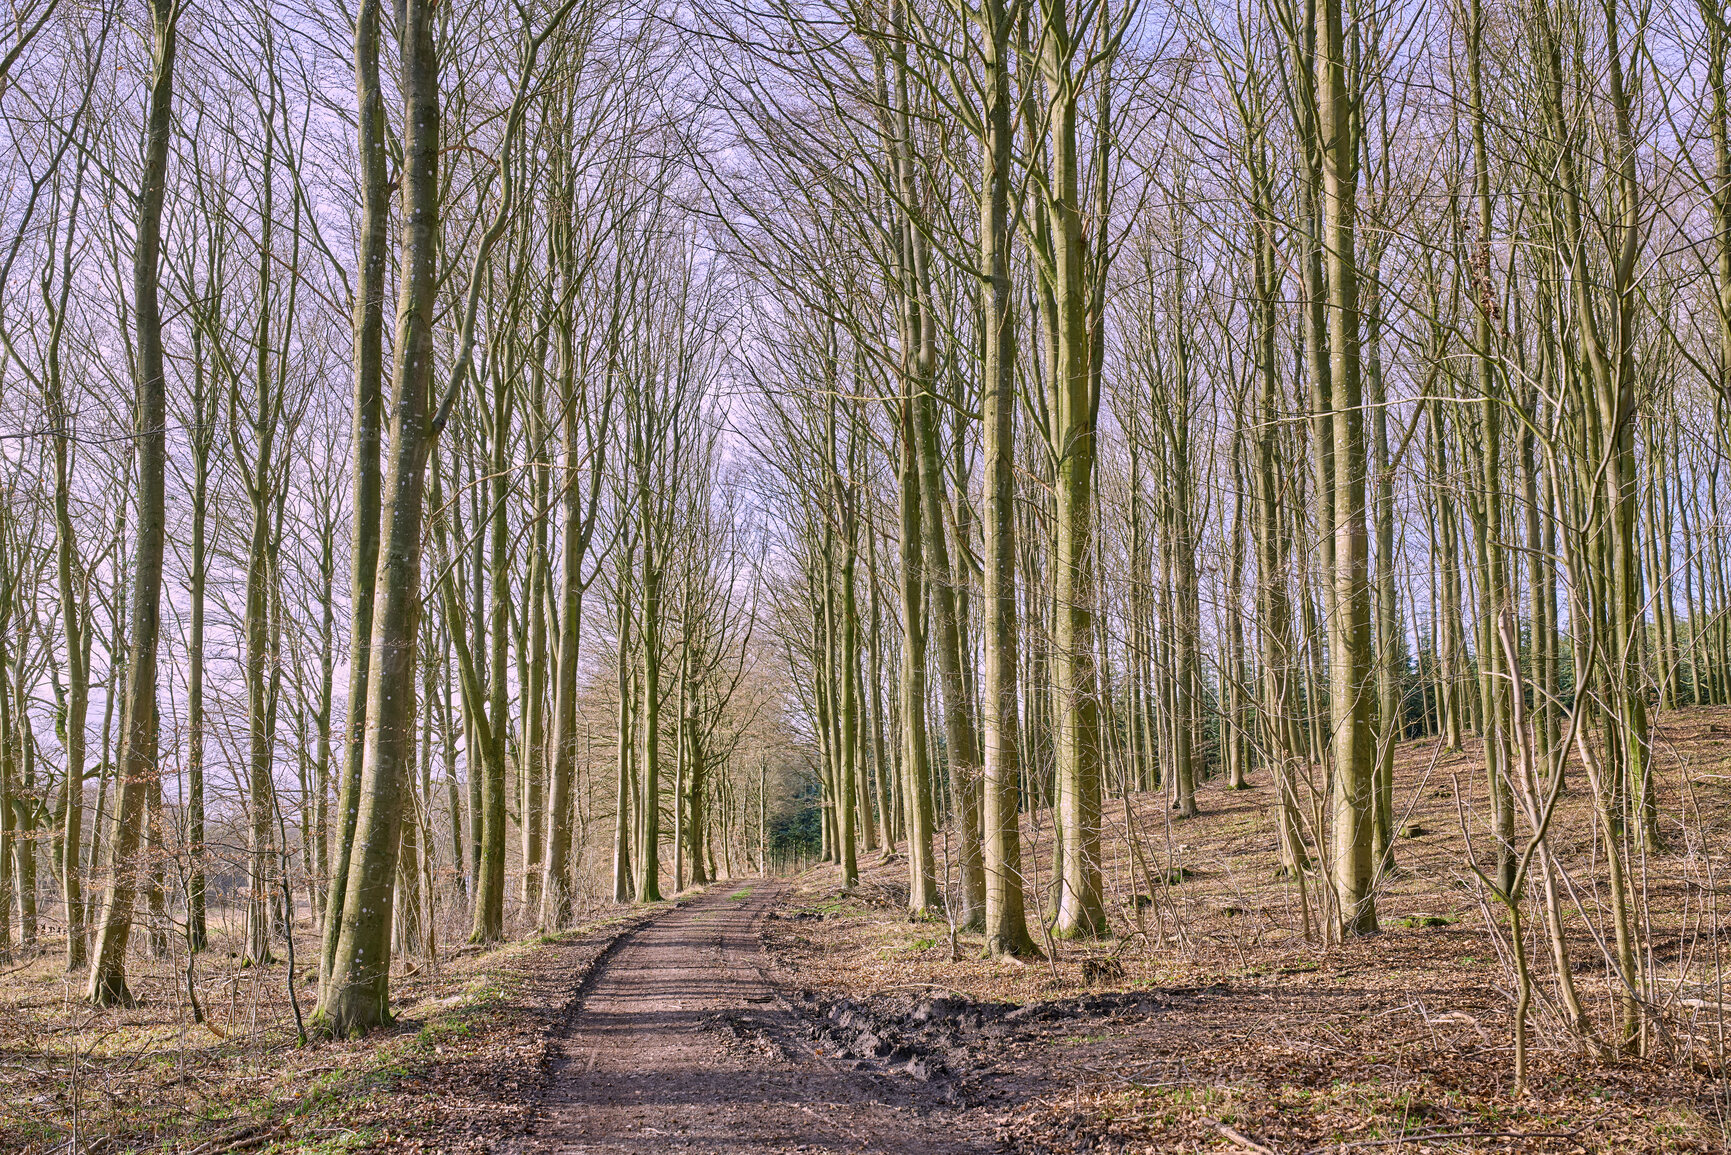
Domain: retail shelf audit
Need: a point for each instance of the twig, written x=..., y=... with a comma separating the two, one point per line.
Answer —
x=289, y=921
x=1432, y=1136
x=1238, y=1138
x=236, y=1139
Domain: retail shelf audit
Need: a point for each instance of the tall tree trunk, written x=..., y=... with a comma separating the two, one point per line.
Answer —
x=1390, y=648
x=8, y=771
x=261, y=789
x=319, y=863
x=367, y=325
x=1006, y=923
x=1494, y=593
x=138, y=766
x=204, y=411
x=1080, y=906
x=649, y=804
x=847, y=736
x=624, y=886
x=919, y=371
x=357, y=997
x=923, y=897
x=1350, y=648
x=488, y=925
x=534, y=691
x=75, y=625
x=574, y=531
x=1279, y=649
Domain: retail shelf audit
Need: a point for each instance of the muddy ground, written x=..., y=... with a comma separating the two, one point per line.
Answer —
x=683, y=1042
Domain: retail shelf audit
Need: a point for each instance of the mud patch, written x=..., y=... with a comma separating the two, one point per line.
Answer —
x=747, y=1035
x=958, y=1045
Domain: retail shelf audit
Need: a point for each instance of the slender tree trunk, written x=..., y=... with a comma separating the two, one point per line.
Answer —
x=368, y=338
x=1350, y=649
x=560, y=884
x=1494, y=593
x=8, y=771
x=74, y=624
x=848, y=731
x=535, y=689
x=357, y=997
x=1080, y=906
x=1279, y=656
x=319, y=864
x=1390, y=648
x=138, y=766
x=261, y=788
x=1006, y=924
x=649, y=806
x=624, y=888
x=489, y=914
x=923, y=897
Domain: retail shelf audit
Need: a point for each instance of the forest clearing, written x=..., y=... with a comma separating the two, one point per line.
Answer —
x=909, y=575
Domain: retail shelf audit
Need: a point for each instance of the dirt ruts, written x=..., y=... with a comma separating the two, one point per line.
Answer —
x=958, y=1045
x=681, y=1043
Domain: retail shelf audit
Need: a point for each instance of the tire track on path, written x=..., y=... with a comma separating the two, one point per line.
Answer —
x=681, y=1043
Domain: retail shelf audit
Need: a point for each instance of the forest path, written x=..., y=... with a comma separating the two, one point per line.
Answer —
x=681, y=1043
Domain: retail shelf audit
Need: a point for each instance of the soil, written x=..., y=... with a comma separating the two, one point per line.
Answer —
x=682, y=1042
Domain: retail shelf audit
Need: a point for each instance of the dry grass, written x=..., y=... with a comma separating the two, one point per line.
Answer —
x=75, y=1078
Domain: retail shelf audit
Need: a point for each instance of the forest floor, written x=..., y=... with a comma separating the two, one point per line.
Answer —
x=1208, y=1021
x=463, y=1065
x=778, y=1015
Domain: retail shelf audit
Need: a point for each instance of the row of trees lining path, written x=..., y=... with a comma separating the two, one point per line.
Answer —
x=898, y=418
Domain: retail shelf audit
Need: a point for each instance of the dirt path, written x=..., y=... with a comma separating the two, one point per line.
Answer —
x=682, y=1044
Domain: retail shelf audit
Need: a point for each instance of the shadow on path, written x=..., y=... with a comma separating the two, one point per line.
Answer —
x=681, y=1044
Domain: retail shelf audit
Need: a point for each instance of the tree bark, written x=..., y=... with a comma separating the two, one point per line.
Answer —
x=357, y=997
x=1006, y=923
x=367, y=325
x=1350, y=648
x=137, y=764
